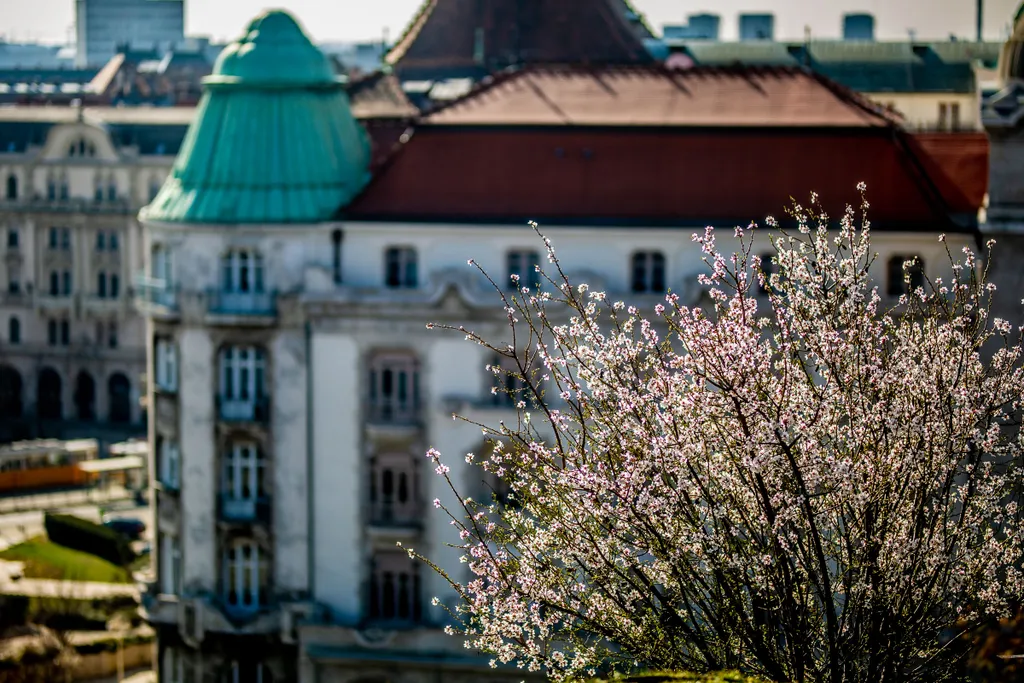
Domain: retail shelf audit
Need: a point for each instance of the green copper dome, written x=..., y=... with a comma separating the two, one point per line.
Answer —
x=273, y=140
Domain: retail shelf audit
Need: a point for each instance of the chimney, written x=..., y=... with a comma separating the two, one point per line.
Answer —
x=757, y=27
x=859, y=27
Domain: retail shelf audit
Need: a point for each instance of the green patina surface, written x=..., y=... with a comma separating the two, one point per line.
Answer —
x=274, y=139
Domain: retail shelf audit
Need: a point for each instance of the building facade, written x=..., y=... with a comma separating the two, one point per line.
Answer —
x=72, y=348
x=292, y=271
x=102, y=26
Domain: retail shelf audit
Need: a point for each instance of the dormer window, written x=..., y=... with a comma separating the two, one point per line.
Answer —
x=81, y=148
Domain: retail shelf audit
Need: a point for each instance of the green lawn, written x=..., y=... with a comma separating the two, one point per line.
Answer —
x=45, y=560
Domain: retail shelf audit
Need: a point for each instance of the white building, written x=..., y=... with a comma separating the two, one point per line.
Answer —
x=295, y=386
x=72, y=347
x=103, y=25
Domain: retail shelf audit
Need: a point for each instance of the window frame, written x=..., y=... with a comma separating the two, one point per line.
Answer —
x=401, y=267
x=648, y=272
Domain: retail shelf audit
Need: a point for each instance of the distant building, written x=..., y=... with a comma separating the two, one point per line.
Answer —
x=698, y=27
x=34, y=56
x=102, y=26
x=757, y=27
x=934, y=86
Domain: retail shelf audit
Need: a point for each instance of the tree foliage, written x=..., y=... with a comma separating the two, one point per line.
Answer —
x=813, y=484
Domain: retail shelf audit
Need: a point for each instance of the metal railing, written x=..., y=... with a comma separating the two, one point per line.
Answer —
x=244, y=409
x=242, y=303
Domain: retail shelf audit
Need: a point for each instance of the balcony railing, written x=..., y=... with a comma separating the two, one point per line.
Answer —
x=242, y=303
x=152, y=293
x=234, y=509
x=244, y=409
x=392, y=513
x=390, y=410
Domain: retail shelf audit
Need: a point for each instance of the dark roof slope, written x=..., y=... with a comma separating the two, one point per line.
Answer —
x=452, y=38
x=656, y=96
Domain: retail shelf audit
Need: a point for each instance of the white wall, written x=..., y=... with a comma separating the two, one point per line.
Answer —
x=200, y=473
x=337, y=487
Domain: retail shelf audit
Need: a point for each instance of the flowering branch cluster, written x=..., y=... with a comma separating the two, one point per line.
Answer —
x=809, y=485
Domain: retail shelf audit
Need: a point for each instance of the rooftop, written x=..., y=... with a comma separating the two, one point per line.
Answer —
x=452, y=38
x=655, y=96
x=273, y=140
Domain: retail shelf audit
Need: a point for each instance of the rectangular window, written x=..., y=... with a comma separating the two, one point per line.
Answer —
x=12, y=238
x=65, y=333
x=170, y=463
x=943, y=116
x=54, y=283
x=65, y=239
x=101, y=285
x=101, y=241
x=13, y=283
x=112, y=335
x=67, y=283
x=648, y=272
x=54, y=238
x=51, y=332
x=954, y=115
x=115, y=286
x=523, y=265
x=400, y=268
x=170, y=565
x=166, y=365
x=113, y=243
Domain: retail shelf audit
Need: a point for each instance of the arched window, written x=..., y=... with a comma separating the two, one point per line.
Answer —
x=648, y=272
x=394, y=387
x=10, y=392
x=12, y=186
x=394, y=588
x=85, y=396
x=14, y=330
x=900, y=282
x=119, y=400
x=246, y=580
x=393, y=489
x=242, y=272
x=242, y=389
x=400, y=268
x=49, y=395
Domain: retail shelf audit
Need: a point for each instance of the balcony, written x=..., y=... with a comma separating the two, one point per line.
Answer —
x=390, y=518
x=245, y=510
x=155, y=297
x=244, y=410
x=241, y=304
x=392, y=410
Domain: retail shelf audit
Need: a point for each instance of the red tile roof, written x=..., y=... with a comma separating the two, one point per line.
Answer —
x=958, y=163
x=650, y=146
x=491, y=34
x=632, y=176
x=656, y=96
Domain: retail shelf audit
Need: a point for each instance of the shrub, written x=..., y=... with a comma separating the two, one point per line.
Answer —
x=96, y=539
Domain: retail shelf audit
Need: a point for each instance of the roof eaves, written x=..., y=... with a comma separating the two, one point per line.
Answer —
x=410, y=33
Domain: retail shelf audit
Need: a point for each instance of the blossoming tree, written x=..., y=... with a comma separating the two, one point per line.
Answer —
x=810, y=484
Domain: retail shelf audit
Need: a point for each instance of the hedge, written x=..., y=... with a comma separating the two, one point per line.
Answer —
x=96, y=539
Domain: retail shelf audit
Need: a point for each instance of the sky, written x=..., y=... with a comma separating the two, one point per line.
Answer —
x=356, y=20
